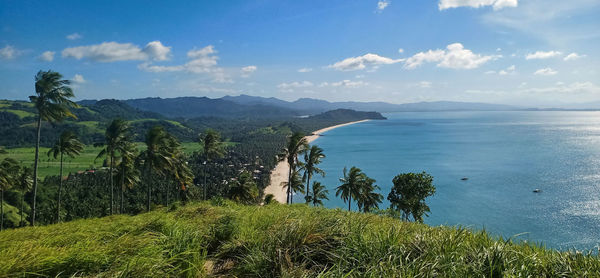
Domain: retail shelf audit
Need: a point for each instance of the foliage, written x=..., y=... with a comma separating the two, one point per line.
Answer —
x=318, y=194
x=295, y=146
x=243, y=190
x=409, y=192
x=312, y=158
x=231, y=240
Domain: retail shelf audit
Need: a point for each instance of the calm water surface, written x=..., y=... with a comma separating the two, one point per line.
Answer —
x=505, y=155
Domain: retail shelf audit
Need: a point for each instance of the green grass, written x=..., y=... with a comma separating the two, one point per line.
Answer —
x=204, y=240
x=21, y=113
x=175, y=123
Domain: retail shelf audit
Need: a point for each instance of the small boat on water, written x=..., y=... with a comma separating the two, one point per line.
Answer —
x=464, y=179
x=537, y=190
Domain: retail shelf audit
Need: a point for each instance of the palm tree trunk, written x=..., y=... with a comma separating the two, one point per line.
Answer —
x=35, y=167
x=148, y=181
x=349, y=203
x=1, y=209
x=289, y=184
x=122, y=187
x=307, y=187
x=112, y=191
x=21, y=211
x=59, y=189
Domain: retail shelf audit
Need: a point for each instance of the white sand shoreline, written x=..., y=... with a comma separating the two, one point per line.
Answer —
x=279, y=175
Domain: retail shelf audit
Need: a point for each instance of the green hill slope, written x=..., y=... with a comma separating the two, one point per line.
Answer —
x=204, y=240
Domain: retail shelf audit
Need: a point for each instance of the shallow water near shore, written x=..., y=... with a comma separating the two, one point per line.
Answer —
x=504, y=155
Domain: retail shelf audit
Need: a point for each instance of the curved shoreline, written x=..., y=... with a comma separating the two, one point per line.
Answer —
x=279, y=174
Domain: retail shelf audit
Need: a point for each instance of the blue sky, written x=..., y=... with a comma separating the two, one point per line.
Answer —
x=531, y=52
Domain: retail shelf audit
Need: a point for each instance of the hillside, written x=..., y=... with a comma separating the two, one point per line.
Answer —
x=226, y=239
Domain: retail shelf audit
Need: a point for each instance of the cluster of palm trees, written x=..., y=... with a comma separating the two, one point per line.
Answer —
x=12, y=175
x=356, y=185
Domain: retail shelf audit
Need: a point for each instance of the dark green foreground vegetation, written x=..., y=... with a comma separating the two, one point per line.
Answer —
x=220, y=238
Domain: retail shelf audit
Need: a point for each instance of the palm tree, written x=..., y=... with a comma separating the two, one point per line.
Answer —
x=52, y=101
x=368, y=199
x=351, y=185
x=24, y=184
x=212, y=149
x=243, y=190
x=128, y=174
x=157, y=158
x=67, y=144
x=115, y=138
x=312, y=157
x=8, y=169
x=181, y=172
x=319, y=193
x=296, y=186
x=295, y=146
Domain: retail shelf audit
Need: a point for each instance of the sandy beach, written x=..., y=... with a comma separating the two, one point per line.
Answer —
x=279, y=175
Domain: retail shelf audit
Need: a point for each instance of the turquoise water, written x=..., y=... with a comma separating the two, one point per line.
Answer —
x=505, y=155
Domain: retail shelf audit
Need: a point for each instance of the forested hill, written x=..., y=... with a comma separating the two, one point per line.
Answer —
x=17, y=121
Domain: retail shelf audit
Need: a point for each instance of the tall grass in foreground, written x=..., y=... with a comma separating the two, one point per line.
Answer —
x=226, y=239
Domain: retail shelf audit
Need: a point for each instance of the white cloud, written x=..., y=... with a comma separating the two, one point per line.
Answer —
x=545, y=71
x=400, y=50
x=542, y=55
x=9, y=52
x=74, y=36
x=345, y=83
x=425, y=84
x=497, y=4
x=47, y=56
x=381, y=5
x=305, y=70
x=508, y=71
x=78, y=79
x=290, y=87
x=362, y=62
x=455, y=57
x=573, y=56
x=113, y=51
x=247, y=71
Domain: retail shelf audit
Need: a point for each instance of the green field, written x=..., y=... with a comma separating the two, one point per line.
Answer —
x=21, y=113
x=224, y=239
x=87, y=159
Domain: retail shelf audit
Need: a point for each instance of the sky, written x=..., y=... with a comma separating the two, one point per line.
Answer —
x=524, y=52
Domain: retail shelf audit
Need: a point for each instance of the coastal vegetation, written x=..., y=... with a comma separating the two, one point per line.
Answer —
x=220, y=238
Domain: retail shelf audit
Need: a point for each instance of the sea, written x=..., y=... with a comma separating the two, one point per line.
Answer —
x=505, y=156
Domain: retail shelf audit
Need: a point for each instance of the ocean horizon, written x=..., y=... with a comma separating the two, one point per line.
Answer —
x=505, y=156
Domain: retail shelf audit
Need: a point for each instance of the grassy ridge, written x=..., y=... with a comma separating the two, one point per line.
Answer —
x=273, y=241
x=86, y=160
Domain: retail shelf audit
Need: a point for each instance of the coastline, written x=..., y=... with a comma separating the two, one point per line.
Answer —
x=279, y=174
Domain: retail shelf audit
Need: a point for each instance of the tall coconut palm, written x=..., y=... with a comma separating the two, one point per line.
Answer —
x=8, y=175
x=116, y=137
x=312, y=157
x=23, y=184
x=368, y=199
x=52, y=102
x=243, y=190
x=128, y=174
x=212, y=149
x=318, y=194
x=351, y=185
x=296, y=186
x=157, y=158
x=295, y=146
x=67, y=144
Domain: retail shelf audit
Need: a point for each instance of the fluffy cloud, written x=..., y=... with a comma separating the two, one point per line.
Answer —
x=9, y=52
x=362, y=62
x=74, y=36
x=78, y=79
x=289, y=87
x=113, y=51
x=497, y=4
x=455, y=57
x=507, y=71
x=345, y=83
x=381, y=5
x=542, y=55
x=573, y=56
x=47, y=56
x=305, y=70
x=247, y=71
x=545, y=71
